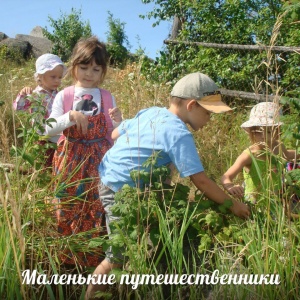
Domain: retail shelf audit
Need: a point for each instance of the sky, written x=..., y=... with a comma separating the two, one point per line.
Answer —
x=21, y=16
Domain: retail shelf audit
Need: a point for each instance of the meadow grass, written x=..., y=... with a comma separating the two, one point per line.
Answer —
x=266, y=244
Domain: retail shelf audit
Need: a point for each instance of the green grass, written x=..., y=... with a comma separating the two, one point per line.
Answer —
x=266, y=244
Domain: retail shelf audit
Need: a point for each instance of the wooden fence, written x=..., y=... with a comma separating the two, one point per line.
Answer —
x=242, y=94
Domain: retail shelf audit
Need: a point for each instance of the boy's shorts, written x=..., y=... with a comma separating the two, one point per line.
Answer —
x=107, y=197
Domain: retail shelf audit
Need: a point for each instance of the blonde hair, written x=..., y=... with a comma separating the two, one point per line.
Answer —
x=252, y=133
x=37, y=78
x=260, y=129
x=87, y=50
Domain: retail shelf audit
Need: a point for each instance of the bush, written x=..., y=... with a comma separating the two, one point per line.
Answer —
x=67, y=30
x=116, y=38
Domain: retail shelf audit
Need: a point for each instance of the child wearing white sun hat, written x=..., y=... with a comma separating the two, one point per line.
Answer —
x=263, y=114
x=49, y=72
x=262, y=162
x=48, y=75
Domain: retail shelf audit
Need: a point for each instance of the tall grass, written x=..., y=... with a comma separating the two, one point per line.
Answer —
x=28, y=235
x=266, y=244
x=160, y=244
x=270, y=238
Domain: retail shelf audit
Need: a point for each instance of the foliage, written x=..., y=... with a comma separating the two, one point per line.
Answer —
x=266, y=244
x=292, y=135
x=66, y=31
x=138, y=208
x=117, y=41
x=230, y=22
x=157, y=223
x=31, y=152
x=291, y=121
x=159, y=228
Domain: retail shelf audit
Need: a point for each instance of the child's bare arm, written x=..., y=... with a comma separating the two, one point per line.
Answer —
x=216, y=194
x=227, y=179
x=290, y=154
x=115, y=134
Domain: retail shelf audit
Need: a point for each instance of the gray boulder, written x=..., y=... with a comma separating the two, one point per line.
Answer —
x=39, y=45
x=37, y=31
x=16, y=45
x=3, y=36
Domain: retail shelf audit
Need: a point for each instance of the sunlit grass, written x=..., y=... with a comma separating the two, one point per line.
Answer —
x=267, y=244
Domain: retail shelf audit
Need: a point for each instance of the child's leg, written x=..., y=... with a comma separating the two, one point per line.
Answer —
x=103, y=269
x=172, y=168
x=107, y=198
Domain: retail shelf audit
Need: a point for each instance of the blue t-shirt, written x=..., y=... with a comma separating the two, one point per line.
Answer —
x=151, y=130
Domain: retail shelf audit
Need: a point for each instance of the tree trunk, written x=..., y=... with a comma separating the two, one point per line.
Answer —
x=176, y=27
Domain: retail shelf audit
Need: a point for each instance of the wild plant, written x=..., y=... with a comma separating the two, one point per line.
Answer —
x=31, y=151
x=160, y=231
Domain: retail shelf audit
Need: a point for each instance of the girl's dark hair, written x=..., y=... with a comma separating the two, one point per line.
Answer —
x=85, y=51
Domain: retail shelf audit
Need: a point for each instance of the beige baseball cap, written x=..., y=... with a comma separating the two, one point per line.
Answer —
x=202, y=88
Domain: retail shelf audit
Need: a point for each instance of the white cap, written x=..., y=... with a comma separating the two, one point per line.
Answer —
x=47, y=62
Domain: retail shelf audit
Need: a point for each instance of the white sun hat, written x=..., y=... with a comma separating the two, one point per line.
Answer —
x=263, y=114
x=47, y=62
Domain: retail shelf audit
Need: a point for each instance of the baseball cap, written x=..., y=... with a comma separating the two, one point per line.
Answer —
x=263, y=114
x=202, y=88
x=47, y=62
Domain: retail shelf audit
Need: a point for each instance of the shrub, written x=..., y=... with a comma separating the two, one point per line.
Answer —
x=67, y=30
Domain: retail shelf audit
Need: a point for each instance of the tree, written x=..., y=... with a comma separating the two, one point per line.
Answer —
x=116, y=41
x=67, y=30
x=230, y=22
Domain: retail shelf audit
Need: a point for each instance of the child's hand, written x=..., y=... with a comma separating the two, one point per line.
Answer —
x=240, y=209
x=80, y=119
x=115, y=114
x=236, y=191
x=26, y=91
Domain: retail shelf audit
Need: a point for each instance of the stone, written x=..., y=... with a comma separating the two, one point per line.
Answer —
x=15, y=45
x=37, y=31
x=3, y=36
x=39, y=45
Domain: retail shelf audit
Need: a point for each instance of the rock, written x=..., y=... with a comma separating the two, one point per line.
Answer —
x=37, y=31
x=3, y=36
x=39, y=45
x=34, y=44
x=16, y=45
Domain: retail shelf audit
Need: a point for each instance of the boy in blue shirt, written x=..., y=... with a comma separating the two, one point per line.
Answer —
x=193, y=99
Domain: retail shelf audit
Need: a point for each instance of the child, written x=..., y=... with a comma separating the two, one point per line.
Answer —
x=49, y=73
x=193, y=98
x=259, y=163
x=86, y=115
